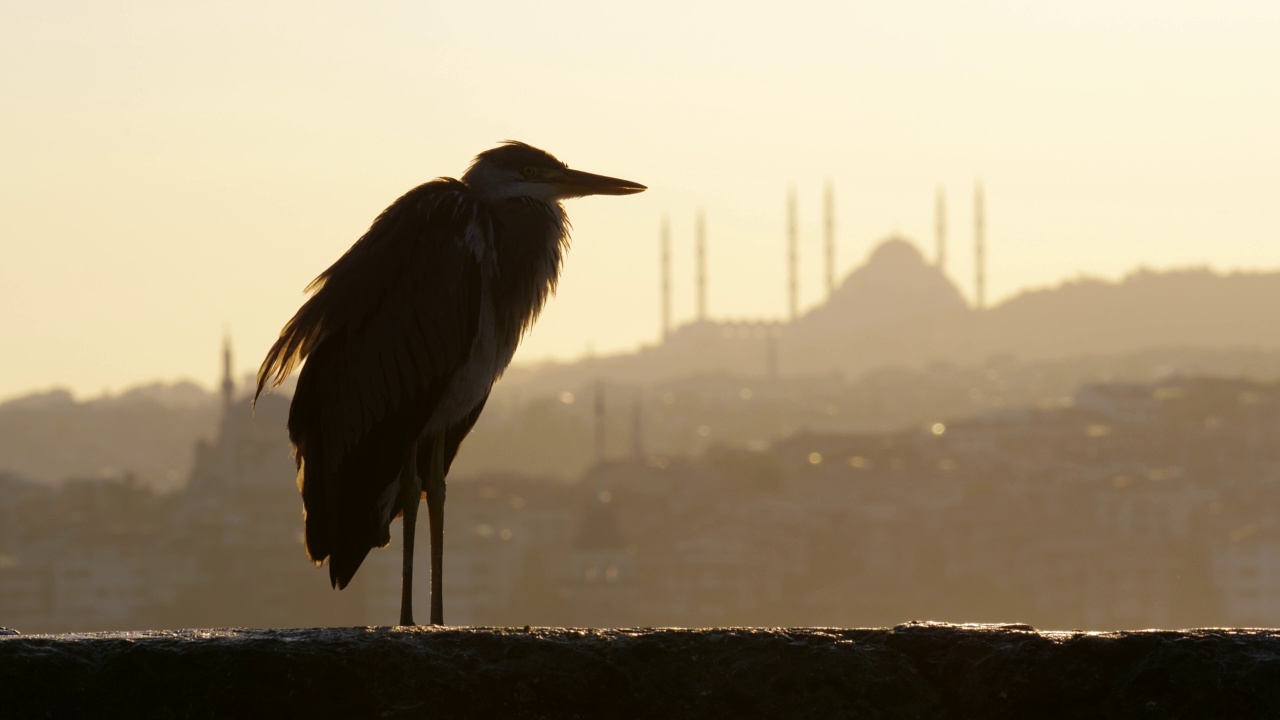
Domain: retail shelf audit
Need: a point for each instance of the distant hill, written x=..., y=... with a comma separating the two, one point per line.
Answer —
x=897, y=310
x=148, y=431
x=1193, y=308
x=1187, y=308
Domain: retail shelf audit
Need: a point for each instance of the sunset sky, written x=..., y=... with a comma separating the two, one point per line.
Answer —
x=172, y=170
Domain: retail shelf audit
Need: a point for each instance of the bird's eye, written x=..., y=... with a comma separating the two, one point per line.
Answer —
x=528, y=172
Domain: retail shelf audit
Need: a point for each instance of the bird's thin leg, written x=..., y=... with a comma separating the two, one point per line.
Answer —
x=410, y=496
x=435, y=512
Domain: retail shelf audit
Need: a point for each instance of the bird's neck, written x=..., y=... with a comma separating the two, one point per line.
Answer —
x=530, y=239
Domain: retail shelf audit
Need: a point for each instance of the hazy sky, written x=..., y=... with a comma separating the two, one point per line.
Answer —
x=171, y=169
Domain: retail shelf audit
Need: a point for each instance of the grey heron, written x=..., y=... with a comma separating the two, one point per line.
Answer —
x=403, y=338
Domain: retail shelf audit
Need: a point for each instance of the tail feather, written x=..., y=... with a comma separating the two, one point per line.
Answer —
x=345, y=488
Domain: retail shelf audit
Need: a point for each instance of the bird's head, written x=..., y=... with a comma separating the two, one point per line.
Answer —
x=514, y=169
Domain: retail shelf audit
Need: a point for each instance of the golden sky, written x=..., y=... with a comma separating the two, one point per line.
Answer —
x=171, y=169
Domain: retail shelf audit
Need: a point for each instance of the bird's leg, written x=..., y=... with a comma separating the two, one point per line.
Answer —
x=435, y=511
x=410, y=496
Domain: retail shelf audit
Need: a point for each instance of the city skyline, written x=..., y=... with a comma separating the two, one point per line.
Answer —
x=157, y=189
x=1105, y=513
x=1093, y=488
x=234, y=365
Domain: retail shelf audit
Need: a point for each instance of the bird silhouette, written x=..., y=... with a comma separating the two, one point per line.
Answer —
x=403, y=338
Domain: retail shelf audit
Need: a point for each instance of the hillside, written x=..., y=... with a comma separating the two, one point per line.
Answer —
x=149, y=431
x=896, y=310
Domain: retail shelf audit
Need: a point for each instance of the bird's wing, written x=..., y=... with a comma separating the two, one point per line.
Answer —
x=387, y=326
x=427, y=237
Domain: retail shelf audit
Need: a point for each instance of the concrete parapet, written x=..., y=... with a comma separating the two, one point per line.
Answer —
x=916, y=670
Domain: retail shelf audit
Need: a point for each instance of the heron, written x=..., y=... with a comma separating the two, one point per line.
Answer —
x=403, y=338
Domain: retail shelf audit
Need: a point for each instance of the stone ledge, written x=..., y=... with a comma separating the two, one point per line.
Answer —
x=917, y=670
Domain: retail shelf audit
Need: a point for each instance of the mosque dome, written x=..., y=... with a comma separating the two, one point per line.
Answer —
x=893, y=286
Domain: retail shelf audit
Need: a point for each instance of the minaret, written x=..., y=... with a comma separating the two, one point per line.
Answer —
x=793, y=285
x=771, y=354
x=701, y=239
x=940, y=229
x=666, y=278
x=979, y=249
x=600, y=418
x=829, y=235
x=228, y=384
x=228, y=435
x=637, y=428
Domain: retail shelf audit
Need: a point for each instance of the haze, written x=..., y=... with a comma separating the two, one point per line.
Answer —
x=171, y=170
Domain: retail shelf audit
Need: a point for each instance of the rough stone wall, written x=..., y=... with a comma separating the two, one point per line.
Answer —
x=917, y=670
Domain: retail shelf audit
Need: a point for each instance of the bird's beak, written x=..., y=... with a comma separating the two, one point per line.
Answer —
x=575, y=183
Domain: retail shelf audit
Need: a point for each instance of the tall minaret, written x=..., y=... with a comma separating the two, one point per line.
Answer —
x=228, y=383
x=979, y=249
x=228, y=433
x=793, y=284
x=701, y=239
x=637, y=428
x=829, y=235
x=940, y=229
x=599, y=421
x=666, y=278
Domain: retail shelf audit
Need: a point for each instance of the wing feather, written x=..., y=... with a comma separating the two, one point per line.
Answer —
x=385, y=329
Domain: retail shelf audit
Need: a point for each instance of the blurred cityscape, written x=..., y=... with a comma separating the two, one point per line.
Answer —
x=1095, y=456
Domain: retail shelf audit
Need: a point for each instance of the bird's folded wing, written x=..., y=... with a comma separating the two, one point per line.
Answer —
x=395, y=315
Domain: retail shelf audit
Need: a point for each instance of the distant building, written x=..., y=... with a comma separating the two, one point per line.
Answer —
x=602, y=580
x=1246, y=572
